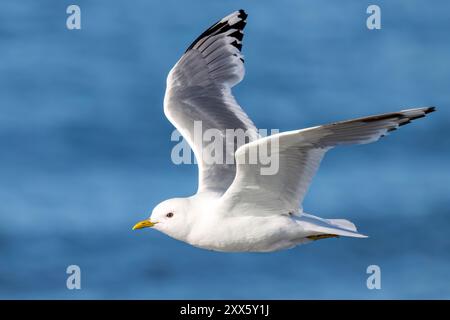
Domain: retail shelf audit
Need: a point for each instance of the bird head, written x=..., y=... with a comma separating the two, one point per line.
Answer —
x=169, y=217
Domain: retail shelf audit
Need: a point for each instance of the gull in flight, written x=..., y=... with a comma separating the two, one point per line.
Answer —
x=236, y=207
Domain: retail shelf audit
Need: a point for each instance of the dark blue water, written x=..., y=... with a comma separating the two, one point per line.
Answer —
x=86, y=148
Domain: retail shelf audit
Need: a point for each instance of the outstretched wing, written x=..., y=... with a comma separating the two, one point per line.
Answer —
x=198, y=98
x=298, y=154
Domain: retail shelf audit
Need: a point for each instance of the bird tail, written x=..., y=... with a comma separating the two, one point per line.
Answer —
x=328, y=228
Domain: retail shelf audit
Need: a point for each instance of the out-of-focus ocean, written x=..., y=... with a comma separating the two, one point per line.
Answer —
x=85, y=147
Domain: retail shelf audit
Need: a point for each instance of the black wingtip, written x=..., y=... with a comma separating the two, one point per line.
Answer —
x=430, y=109
x=237, y=45
x=222, y=26
x=242, y=14
x=238, y=34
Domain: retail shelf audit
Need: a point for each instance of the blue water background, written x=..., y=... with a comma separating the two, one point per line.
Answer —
x=85, y=147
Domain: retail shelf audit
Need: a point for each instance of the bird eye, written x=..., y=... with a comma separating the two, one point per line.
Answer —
x=169, y=215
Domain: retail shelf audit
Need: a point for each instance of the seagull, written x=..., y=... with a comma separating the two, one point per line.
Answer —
x=237, y=208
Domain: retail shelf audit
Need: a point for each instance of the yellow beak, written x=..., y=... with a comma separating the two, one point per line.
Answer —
x=144, y=224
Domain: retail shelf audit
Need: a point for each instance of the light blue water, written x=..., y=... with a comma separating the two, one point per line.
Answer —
x=86, y=148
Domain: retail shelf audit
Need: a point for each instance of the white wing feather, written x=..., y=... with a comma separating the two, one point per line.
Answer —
x=199, y=89
x=299, y=154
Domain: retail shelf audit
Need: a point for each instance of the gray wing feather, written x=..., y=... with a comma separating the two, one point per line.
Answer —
x=199, y=89
x=299, y=154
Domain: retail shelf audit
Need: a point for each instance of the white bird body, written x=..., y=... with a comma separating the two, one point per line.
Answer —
x=210, y=225
x=216, y=229
x=237, y=207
